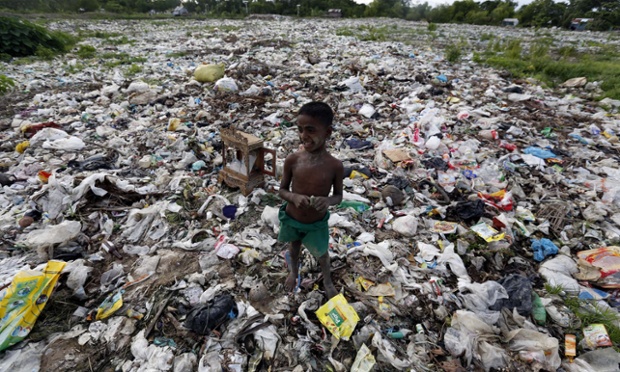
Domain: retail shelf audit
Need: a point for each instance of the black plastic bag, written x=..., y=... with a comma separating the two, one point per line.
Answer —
x=519, y=290
x=467, y=211
x=205, y=318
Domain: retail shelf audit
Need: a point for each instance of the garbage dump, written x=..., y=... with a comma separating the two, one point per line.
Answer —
x=479, y=227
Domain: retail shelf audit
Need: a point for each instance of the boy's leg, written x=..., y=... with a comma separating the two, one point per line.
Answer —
x=325, y=263
x=293, y=266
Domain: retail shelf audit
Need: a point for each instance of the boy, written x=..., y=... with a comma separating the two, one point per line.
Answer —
x=313, y=172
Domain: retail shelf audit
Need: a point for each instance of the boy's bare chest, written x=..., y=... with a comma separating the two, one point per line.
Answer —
x=314, y=172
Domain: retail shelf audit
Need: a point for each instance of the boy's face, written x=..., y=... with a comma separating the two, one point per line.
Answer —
x=312, y=133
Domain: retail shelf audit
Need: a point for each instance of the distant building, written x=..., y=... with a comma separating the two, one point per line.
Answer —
x=334, y=13
x=580, y=24
x=180, y=11
x=510, y=22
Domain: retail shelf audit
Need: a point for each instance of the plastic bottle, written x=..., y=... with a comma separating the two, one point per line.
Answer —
x=357, y=205
x=488, y=134
x=538, y=310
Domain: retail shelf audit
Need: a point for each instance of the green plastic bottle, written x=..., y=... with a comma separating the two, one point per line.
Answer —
x=358, y=206
x=538, y=310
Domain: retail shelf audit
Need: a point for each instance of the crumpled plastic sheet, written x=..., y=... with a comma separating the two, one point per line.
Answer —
x=380, y=250
x=465, y=336
x=456, y=264
x=53, y=234
x=26, y=358
x=535, y=346
x=146, y=221
x=558, y=271
x=148, y=357
x=479, y=297
x=387, y=352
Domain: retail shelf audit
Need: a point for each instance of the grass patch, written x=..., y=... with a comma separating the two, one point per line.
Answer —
x=177, y=54
x=121, y=41
x=118, y=59
x=222, y=28
x=86, y=51
x=134, y=69
x=554, y=289
x=383, y=33
x=553, y=66
x=431, y=27
x=590, y=313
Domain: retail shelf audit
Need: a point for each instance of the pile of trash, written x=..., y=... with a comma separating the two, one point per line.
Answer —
x=479, y=230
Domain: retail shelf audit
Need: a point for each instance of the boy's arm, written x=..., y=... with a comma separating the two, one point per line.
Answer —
x=336, y=197
x=300, y=201
x=322, y=203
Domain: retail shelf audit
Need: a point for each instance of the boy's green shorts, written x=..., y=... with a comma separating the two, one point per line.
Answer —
x=314, y=236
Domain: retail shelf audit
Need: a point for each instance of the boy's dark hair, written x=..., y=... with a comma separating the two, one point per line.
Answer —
x=318, y=110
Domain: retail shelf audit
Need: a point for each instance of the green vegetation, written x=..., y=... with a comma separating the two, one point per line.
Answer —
x=432, y=27
x=20, y=38
x=6, y=84
x=117, y=59
x=86, y=51
x=605, y=14
x=134, y=69
x=554, y=66
x=453, y=53
x=590, y=313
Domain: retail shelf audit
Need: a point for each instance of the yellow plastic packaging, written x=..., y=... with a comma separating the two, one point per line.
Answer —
x=109, y=306
x=338, y=317
x=22, y=302
x=22, y=146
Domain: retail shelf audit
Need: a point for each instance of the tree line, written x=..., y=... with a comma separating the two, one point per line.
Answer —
x=605, y=14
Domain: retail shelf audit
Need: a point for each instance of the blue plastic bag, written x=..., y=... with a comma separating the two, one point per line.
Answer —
x=543, y=248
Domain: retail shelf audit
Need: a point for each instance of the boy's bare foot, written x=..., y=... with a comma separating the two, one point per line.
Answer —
x=330, y=290
x=291, y=282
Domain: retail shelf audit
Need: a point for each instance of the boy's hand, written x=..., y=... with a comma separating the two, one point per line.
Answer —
x=321, y=203
x=301, y=201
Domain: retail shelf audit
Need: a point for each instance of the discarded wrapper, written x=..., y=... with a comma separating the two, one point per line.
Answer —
x=596, y=336
x=487, y=233
x=109, y=306
x=22, y=302
x=570, y=346
x=444, y=227
x=338, y=317
x=364, y=360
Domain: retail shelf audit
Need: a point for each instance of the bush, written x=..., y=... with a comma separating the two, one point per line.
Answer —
x=432, y=27
x=6, y=84
x=20, y=38
x=453, y=53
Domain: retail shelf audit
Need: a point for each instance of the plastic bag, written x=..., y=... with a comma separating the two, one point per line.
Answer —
x=519, y=289
x=406, y=225
x=534, y=346
x=205, y=318
x=543, y=248
x=209, y=73
x=481, y=297
x=226, y=85
x=338, y=317
x=22, y=302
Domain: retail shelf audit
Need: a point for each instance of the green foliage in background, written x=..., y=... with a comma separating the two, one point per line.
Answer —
x=20, y=38
x=6, y=84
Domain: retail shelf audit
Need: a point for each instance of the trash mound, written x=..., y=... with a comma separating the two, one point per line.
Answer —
x=479, y=228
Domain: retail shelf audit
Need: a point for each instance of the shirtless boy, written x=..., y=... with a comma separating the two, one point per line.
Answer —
x=313, y=172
